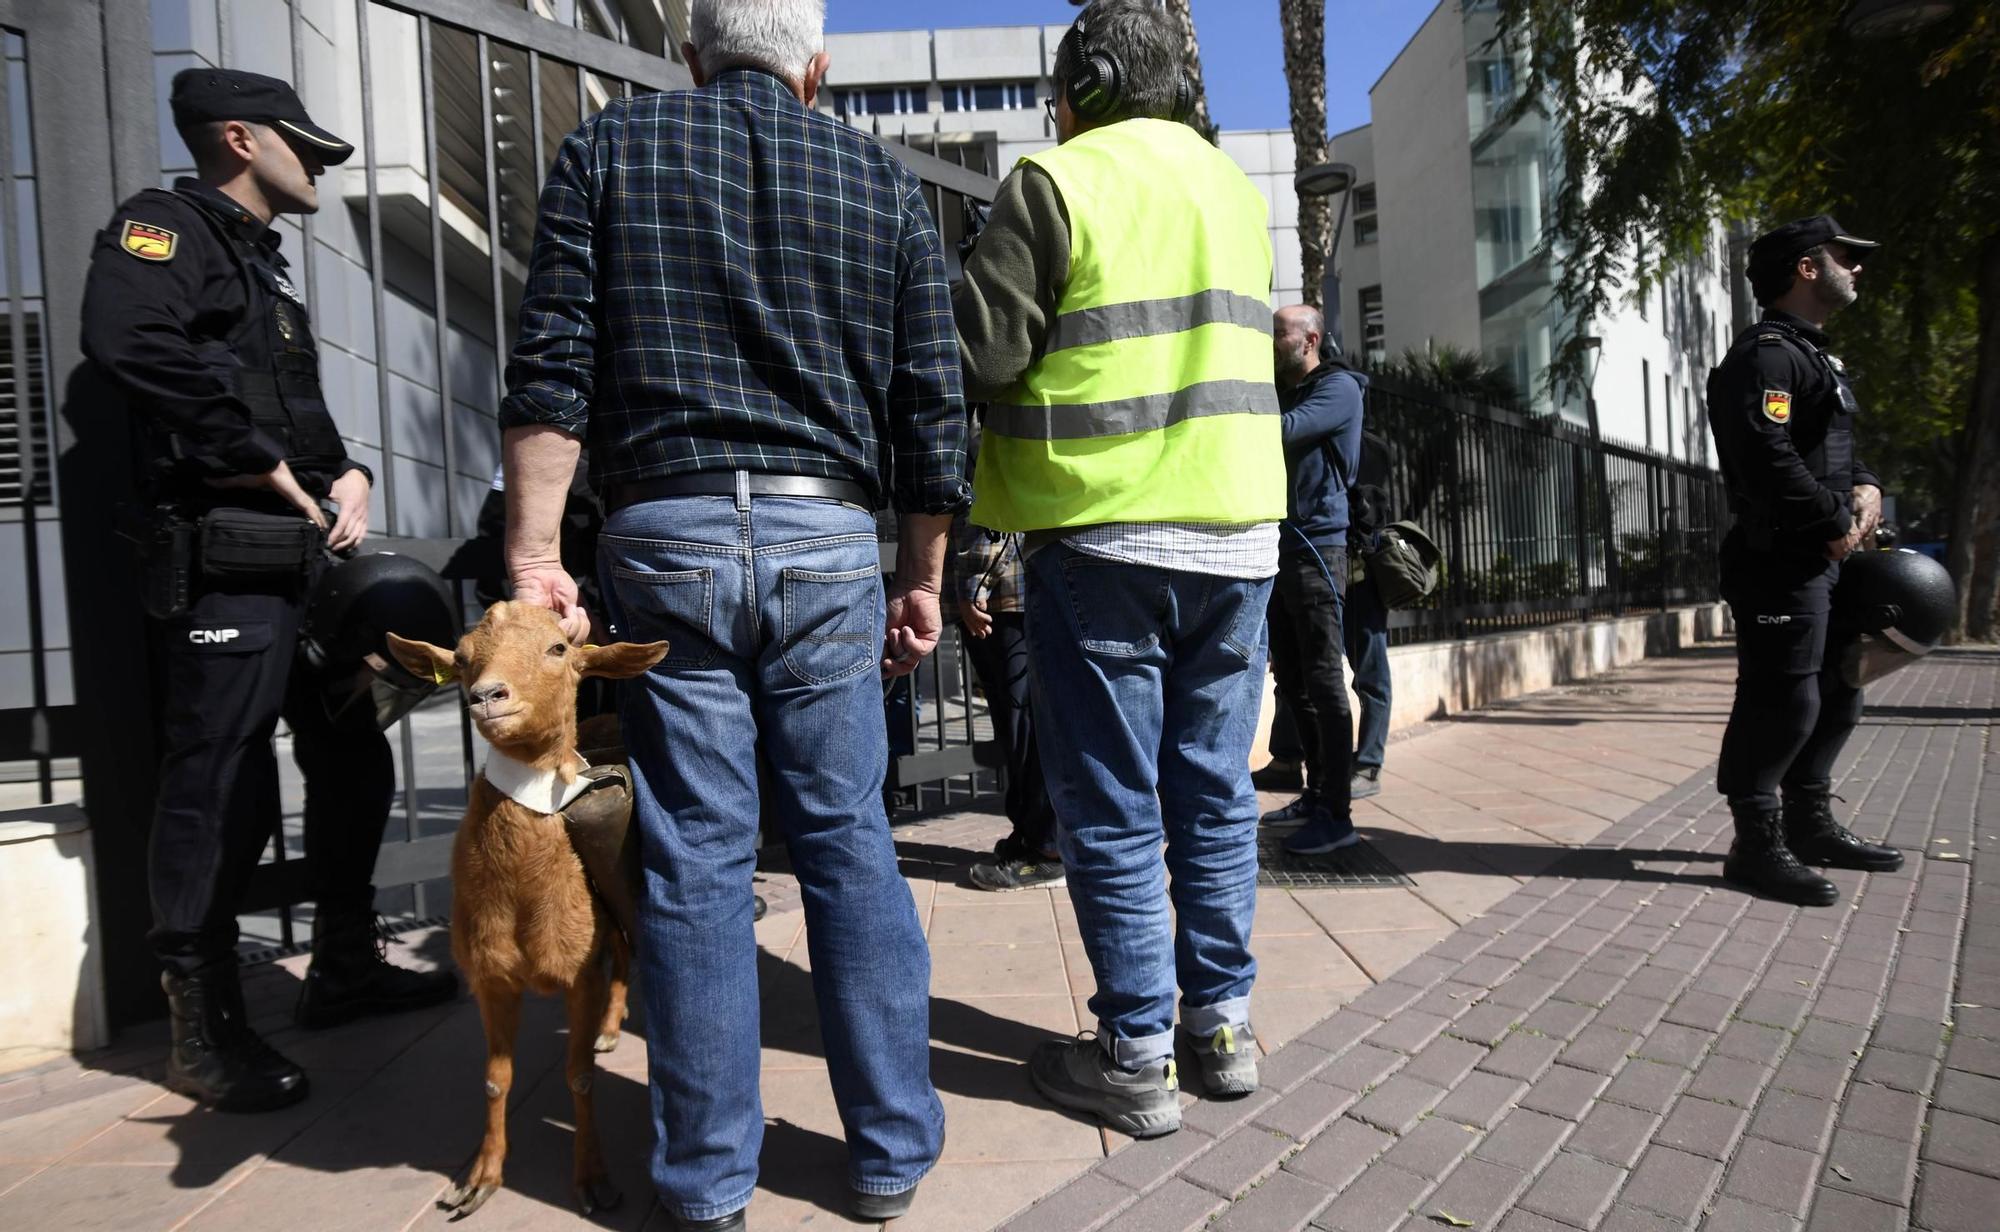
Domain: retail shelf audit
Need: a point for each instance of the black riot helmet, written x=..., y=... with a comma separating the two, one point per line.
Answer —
x=356, y=603
x=1893, y=607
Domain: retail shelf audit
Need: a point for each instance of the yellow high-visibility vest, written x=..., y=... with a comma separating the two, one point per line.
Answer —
x=1153, y=399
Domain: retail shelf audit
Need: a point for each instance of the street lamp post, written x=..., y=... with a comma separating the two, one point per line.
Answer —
x=1324, y=180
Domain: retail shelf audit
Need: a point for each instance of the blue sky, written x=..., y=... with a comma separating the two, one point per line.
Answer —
x=1240, y=53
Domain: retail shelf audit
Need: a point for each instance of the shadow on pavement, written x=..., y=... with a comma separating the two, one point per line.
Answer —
x=1416, y=854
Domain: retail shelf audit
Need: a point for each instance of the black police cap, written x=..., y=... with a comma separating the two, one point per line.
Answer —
x=1783, y=244
x=204, y=95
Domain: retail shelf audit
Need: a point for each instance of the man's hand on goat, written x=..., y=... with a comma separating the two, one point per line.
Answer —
x=912, y=630
x=552, y=587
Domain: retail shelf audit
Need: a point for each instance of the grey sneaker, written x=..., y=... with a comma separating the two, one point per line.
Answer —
x=1228, y=1060
x=1366, y=782
x=1078, y=1074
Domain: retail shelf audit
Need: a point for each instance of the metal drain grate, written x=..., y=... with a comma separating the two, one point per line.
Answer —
x=1358, y=867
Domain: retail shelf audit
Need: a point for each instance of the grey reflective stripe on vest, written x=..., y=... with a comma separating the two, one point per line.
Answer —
x=1146, y=413
x=1144, y=318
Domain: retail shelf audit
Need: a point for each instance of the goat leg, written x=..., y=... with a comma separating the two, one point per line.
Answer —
x=591, y=1181
x=500, y=1012
x=621, y=978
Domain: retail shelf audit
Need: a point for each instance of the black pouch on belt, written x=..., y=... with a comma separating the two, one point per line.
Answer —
x=164, y=540
x=248, y=545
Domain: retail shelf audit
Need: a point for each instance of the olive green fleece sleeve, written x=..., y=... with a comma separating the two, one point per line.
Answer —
x=1013, y=282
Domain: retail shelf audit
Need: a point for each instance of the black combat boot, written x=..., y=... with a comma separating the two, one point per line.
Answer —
x=1760, y=861
x=1816, y=838
x=351, y=974
x=216, y=1058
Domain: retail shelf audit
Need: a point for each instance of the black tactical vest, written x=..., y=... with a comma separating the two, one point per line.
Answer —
x=271, y=360
x=1821, y=428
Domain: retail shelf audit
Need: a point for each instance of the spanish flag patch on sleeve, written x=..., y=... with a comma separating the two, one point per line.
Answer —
x=146, y=241
x=1777, y=406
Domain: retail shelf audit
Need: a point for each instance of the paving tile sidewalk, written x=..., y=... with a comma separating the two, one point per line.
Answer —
x=1626, y=1043
x=1498, y=992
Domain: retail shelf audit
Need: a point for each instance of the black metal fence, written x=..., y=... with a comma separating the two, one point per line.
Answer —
x=1539, y=522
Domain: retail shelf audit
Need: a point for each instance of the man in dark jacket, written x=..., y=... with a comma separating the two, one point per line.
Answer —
x=1322, y=434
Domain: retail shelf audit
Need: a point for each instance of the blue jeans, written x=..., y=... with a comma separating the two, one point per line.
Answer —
x=1365, y=628
x=774, y=612
x=1147, y=684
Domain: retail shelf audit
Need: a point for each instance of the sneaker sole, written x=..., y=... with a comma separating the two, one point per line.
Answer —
x=1131, y=1124
x=1057, y=884
x=1229, y=1087
x=1320, y=849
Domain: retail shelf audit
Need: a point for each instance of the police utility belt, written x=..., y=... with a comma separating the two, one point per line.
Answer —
x=223, y=546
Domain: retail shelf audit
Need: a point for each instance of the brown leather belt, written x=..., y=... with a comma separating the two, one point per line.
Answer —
x=725, y=483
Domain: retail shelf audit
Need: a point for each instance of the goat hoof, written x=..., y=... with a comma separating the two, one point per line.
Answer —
x=464, y=1199
x=606, y=1042
x=597, y=1194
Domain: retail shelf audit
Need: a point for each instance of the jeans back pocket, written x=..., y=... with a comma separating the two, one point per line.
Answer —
x=1118, y=609
x=831, y=630
x=677, y=607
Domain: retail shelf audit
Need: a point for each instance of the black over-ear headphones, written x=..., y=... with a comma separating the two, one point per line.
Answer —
x=1096, y=87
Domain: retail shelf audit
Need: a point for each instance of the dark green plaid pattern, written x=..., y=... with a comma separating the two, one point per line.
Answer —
x=725, y=280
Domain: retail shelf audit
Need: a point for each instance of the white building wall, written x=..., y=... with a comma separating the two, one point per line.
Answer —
x=1423, y=173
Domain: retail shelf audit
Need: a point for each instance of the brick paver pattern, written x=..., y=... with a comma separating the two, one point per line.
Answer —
x=1627, y=1043
x=1559, y=1026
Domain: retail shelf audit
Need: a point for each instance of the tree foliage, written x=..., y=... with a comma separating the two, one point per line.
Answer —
x=1182, y=12
x=1464, y=371
x=1670, y=112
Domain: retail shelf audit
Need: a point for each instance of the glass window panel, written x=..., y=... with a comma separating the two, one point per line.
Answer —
x=1364, y=199
x=519, y=181
x=597, y=92
x=460, y=122
x=559, y=116
x=1366, y=231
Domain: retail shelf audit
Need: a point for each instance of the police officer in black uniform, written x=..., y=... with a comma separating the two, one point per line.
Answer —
x=190, y=311
x=1783, y=412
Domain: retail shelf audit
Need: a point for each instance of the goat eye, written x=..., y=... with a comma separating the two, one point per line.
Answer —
x=559, y=649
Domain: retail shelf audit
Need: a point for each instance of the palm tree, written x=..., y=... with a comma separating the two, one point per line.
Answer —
x=1303, y=23
x=1455, y=370
x=1183, y=15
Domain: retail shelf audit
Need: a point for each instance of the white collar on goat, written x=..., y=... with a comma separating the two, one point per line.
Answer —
x=539, y=790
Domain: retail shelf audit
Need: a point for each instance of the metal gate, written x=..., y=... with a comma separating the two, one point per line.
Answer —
x=413, y=269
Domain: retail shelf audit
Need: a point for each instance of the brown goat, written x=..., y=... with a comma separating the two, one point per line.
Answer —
x=523, y=916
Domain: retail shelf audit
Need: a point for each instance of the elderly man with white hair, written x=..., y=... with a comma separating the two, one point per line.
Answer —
x=740, y=308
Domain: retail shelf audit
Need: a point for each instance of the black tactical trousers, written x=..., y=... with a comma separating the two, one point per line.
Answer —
x=1000, y=659
x=227, y=676
x=1308, y=660
x=1793, y=712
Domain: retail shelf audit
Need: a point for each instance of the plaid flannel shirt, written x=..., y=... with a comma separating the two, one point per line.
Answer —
x=725, y=280
x=985, y=567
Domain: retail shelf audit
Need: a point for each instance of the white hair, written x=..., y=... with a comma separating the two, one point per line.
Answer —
x=780, y=35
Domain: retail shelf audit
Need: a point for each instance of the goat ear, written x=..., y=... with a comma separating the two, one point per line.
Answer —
x=621, y=660
x=433, y=663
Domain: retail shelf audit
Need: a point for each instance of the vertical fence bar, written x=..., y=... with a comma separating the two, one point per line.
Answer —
x=427, y=55
x=21, y=379
x=378, y=273
x=306, y=231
